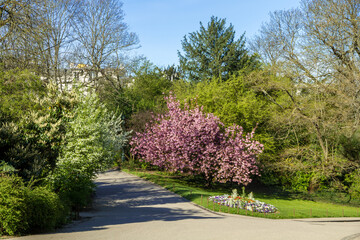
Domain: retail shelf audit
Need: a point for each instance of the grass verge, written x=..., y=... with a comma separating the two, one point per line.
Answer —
x=288, y=206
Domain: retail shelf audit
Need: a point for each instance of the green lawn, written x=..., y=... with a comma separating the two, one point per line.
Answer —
x=288, y=206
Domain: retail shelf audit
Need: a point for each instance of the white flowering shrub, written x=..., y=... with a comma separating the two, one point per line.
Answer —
x=93, y=138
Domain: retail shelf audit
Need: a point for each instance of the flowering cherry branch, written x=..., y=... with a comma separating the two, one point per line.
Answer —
x=189, y=140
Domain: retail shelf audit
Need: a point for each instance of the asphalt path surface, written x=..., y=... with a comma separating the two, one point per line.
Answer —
x=129, y=208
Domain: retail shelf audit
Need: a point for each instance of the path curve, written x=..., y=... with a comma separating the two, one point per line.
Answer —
x=130, y=208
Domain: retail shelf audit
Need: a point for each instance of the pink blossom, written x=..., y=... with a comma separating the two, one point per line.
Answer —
x=189, y=140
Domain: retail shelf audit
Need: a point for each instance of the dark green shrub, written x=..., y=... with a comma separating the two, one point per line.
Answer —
x=350, y=147
x=76, y=189
x=133, y=163
x=139, y=120
x=12, y=205
x=18, y=88
x=353, y=180
x=26, y=210
x=45, y=210
x=32, y=143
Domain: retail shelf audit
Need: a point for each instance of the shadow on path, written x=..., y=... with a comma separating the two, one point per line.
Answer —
x=123, y=199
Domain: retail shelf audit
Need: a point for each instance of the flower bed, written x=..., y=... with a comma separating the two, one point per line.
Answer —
x=243, y=202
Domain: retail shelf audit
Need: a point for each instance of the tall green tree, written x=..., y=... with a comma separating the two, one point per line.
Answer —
x=214, y=52
x=148, y=87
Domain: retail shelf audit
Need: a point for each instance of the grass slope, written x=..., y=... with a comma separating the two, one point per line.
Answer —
x=289, y=206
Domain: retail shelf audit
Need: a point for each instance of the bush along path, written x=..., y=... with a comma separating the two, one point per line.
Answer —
x=48, y=180
x=217, y=200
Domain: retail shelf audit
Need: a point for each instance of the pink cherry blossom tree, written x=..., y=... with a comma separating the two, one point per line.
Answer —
x=189, y=140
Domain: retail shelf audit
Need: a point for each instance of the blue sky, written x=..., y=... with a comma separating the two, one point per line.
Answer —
x=162, y=24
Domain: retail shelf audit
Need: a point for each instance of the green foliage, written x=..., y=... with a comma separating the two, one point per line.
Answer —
x=24, y=209
x=233, y=101
x=350, y=147
x=17, y=153
x=73, y=187
x=12, y=205
x=32, y=144
x=139, y=120
x=45, y=129
x=18, y=89
x=45, y=211
x=140, y=90
x=353, y=179
x=147, y=89
x=301, y=181
x=93, y=138
x=213, y=52
x=6, y=168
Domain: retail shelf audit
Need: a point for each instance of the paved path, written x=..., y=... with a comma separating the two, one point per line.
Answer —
x=129, y=208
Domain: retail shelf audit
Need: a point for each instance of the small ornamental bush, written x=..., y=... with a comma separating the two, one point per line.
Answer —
x=24, y=209
x=12, y=205
x=354, y=180
x=45, y=211
x=189, y=140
